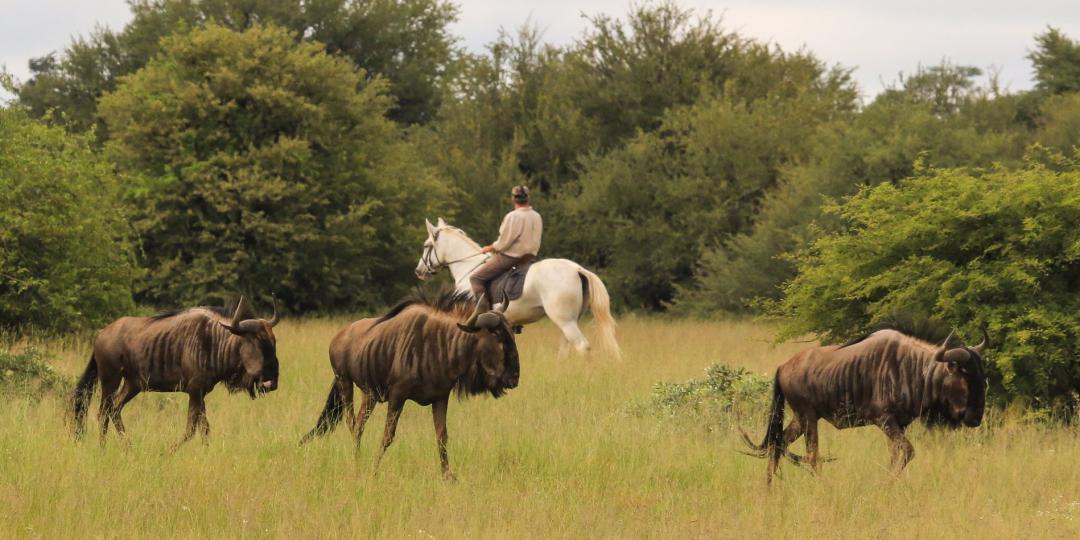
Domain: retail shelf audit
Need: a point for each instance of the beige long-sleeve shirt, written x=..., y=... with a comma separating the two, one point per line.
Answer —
x=520, y=232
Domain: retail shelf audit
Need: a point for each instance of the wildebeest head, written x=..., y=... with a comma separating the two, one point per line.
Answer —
x=257, y=371
x=965, y=381
x=498, y=356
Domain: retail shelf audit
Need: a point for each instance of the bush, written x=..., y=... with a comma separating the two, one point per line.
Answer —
x=712, y=399
x=27, y=374
x=66, y=262
x=999, y=247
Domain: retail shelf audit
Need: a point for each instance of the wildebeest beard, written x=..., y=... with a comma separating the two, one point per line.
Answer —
x=241, y=381
x=475, y=380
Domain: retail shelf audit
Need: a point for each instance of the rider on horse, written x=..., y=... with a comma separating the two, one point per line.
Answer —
x=519, y=241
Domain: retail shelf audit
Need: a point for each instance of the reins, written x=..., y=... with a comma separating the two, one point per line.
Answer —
x=430, y=256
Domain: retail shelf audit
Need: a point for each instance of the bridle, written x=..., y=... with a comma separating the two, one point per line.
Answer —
x=433, y=263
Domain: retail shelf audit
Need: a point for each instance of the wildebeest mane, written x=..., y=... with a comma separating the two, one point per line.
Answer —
x=931, y=331
x=223, y=311
x=444, y=300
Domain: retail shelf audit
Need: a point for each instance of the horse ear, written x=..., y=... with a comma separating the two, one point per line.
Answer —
x=441, y=222
x=430, y=227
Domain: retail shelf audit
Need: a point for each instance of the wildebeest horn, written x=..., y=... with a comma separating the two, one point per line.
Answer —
x=488, y=321
x=985, y=342
x=243, y=321
x=939, y=356
x=275, y=319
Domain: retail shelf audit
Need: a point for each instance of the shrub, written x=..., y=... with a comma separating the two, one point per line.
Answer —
x=66, y=261
x=27, y=374
x=712, y=399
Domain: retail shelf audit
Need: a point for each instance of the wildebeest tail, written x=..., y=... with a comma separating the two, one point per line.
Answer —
x=773, y=444
x=84, y=392
x=330, y=417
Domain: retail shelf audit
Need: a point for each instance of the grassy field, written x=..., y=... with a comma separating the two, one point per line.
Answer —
x=554, y=458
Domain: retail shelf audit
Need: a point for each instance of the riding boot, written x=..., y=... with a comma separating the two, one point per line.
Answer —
x=482, y=306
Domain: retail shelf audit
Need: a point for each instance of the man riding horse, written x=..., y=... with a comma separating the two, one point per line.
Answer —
x=518, y=243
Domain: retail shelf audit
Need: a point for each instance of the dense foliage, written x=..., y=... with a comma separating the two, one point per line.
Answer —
x=269, y=165
x=997, y=247
x=404, y=41
x=66, y=260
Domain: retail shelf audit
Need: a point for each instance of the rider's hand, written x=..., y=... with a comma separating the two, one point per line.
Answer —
x=487, y=249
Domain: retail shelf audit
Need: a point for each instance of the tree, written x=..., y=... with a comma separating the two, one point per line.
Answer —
x=936, y=118
x=404, y=41
x=1056, y=59
x=66, y=259
x=1000, y=247
x=269, y=165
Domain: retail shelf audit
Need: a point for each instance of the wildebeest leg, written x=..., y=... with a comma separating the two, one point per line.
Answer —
x=810, y=425
x=367, y=404
x=127, y=393
x=109, y=386
x=195, y=416
x=393, y=412
x=438, y=413
x=899, y=446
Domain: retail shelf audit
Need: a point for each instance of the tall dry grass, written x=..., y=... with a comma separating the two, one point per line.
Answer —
x=554, y=458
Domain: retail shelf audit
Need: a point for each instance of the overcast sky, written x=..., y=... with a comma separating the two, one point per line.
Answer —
x=878, y=38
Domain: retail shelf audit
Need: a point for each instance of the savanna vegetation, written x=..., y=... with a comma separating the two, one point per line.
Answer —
x=212, y=148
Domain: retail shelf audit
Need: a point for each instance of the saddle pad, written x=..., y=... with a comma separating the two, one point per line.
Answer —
x=509, y=286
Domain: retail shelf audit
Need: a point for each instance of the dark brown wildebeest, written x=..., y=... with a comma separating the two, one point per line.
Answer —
x=189, y=350
x=418, y=351
x=887, y=379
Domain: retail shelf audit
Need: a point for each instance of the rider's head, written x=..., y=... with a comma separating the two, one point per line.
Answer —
x=520, y=195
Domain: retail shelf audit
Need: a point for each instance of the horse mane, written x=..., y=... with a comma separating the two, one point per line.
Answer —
x=464, y=235
x=925, y=329
x=443, y=300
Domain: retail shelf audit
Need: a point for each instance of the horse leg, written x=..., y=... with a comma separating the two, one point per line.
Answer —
x=367, y=404
x=438, y=414
x=109, y=385
x=393, y=412
x=572, y=335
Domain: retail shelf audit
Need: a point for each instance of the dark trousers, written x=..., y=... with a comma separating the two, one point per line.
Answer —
x=490, y=270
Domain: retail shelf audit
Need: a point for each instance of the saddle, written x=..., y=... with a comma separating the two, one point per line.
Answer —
x=510, y=284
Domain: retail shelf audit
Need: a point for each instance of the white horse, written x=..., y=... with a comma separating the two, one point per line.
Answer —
x=558, y=288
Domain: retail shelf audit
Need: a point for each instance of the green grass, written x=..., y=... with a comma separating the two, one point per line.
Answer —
x=557, y=457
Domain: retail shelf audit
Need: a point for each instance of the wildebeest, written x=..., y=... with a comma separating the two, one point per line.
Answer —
x=418, y=351
x=886, y=378
x=189, y=350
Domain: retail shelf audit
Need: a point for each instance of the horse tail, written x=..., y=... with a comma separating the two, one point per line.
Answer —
x=84, y=392
x=600, y=305
x=773, y=445
x=330, y=417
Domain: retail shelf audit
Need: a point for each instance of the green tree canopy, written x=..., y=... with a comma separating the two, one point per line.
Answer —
x=66, y=262
x=269, y=165
x=1056, y=59
x=404, y=41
